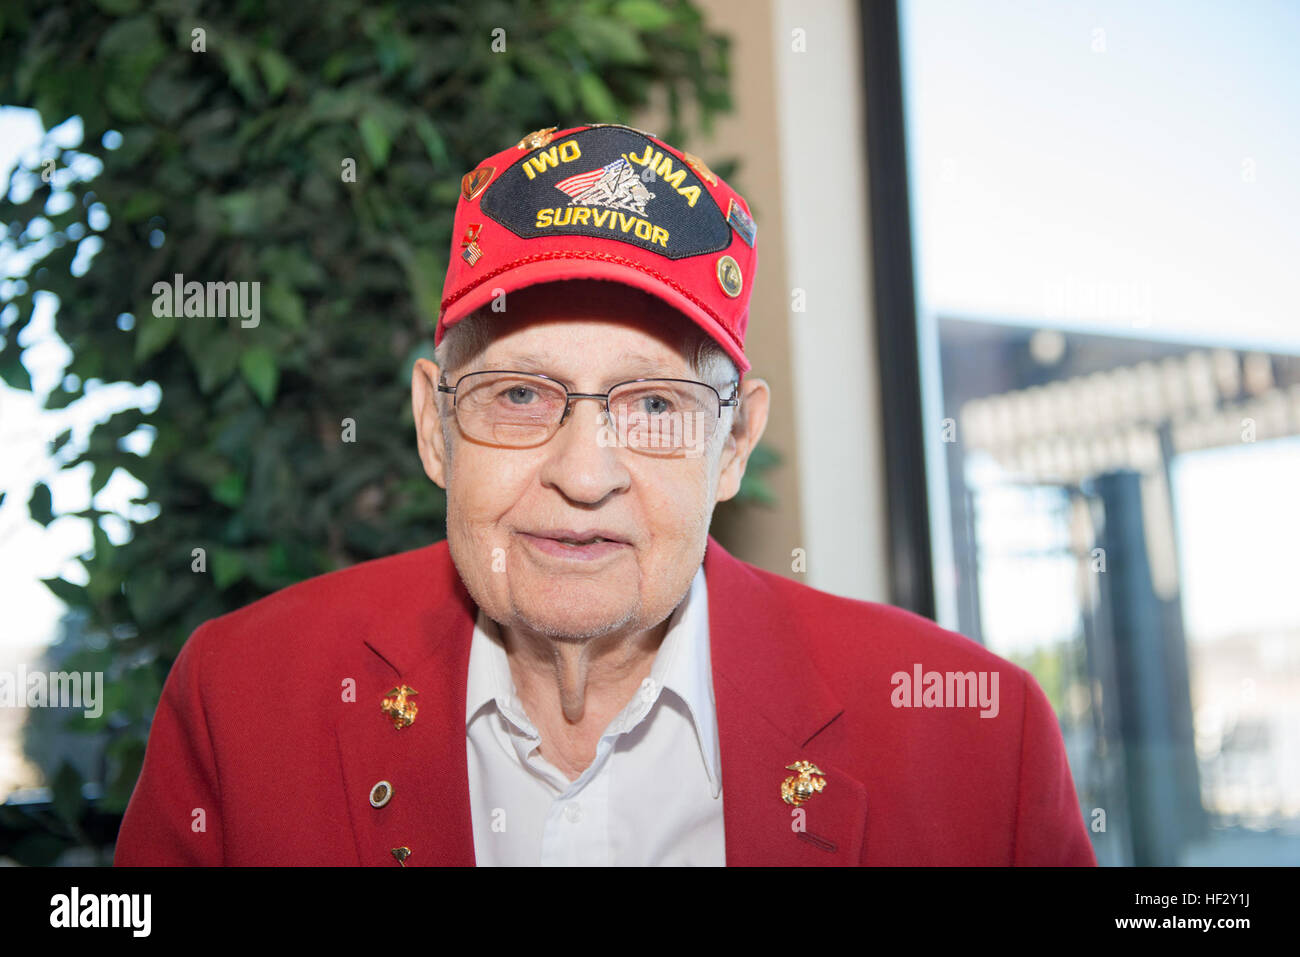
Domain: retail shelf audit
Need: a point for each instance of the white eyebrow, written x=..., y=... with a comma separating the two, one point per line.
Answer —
x=631, y=365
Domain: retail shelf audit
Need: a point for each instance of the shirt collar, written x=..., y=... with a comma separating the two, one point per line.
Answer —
x=682, y=665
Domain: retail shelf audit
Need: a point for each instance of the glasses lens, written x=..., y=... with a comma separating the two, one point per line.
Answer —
x=509, y=409
x=664, y=417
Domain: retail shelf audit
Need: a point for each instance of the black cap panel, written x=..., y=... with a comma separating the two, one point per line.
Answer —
x=609, y=183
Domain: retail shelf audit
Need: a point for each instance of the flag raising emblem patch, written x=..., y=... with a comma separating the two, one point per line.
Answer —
x=615, y=186
x=609, y=182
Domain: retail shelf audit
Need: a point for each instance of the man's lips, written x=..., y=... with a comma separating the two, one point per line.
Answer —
x=571, y=536
x=577, y=544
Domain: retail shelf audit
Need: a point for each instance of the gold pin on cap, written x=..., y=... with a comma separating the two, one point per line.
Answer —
x=536, y=139
x=701, y=168
x=475, y=181
x=729, y=277
x=799, y=789
x=397, y=707
x=401, y=853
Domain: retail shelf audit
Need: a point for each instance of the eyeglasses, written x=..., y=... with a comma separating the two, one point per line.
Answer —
x=519, y=410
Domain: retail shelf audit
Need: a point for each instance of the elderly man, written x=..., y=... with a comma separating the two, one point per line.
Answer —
x=580, y=674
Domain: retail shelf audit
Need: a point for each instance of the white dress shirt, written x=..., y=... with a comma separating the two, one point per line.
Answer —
x=652, y=796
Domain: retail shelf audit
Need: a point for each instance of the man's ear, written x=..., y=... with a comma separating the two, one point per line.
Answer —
x=428, y=421
x=750, y=419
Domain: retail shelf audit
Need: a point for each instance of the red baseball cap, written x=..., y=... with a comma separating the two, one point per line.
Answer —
x=610, y=202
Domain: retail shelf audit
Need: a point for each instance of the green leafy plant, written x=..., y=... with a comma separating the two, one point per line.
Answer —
x=219, y=135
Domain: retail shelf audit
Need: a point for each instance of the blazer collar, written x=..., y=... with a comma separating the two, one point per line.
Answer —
x=420, y=639
x=773, y=707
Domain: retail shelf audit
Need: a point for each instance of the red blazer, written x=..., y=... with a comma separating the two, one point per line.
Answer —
x=256, y=730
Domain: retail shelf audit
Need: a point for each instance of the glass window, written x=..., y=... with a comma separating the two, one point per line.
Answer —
x=1104, y=198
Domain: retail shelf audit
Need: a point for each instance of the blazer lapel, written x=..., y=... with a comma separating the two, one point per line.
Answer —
x=772, y=705
x=425, y=646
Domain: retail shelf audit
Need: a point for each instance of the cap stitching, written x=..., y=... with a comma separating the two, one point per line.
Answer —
x=589, y=254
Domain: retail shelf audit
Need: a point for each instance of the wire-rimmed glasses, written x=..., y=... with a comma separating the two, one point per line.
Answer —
x=519, y=410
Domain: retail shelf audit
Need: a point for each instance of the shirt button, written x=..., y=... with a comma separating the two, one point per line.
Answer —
x=648, y=690
x=573, y=812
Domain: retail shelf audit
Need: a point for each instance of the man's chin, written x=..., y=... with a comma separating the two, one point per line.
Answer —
x=566, y=625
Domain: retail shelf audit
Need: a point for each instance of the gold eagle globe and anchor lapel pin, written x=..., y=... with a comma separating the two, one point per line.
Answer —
x=397, y=704
x=809, y=781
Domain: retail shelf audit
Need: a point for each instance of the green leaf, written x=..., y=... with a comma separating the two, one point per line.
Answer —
x=375, y=138
x=74, y=596
x=214, y=353
x=128, y=51
x=13, y=372
x=260, y=372
x=424, y=272
x=240, y=71
x=40, y=505
x=103, y=472
x=293, y=265
x=643, y=14
x=147, y=591
x=142, y=205
x=132, y=44
x=65, y=794
x=227, y=567
x=609, y=39
x=433, y=142
x=284, y=305
x=123, y=102
x=557, y=85
x=229, y=491
x=596, y=99
x=12, y=369
x=118, y=7
x=154, y=332
x=170, y=93
x=336, y=65
x=244, y=212
x=276, y=68
x=61, y=399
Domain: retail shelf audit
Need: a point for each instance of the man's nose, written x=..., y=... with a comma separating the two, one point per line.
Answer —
x=580, y=465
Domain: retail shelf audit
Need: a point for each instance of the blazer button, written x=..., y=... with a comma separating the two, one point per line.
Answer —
x=381, y=794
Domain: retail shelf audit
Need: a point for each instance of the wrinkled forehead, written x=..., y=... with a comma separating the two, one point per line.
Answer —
x=586, y=325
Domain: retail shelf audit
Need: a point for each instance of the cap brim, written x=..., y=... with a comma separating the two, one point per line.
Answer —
x=551, y=270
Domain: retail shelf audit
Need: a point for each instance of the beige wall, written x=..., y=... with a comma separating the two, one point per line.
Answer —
x=763, y=536
x=798, y=130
